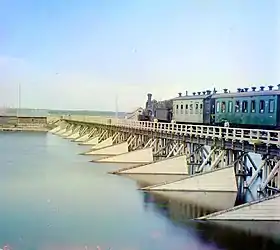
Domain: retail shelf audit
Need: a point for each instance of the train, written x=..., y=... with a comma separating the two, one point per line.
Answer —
x=245, y=108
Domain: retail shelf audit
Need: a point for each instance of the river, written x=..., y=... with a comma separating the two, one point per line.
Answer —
x=52, y=198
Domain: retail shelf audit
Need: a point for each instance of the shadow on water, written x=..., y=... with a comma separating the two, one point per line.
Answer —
x=233, y=239
x=234, y=236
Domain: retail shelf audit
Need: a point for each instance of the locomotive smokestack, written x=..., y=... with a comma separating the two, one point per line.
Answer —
x=270, y=87
x=204, y=92
x=261, y=88
x=198, y=92
x=186, y=93
x=225, y=91
x=278, y=86
x=149, y=101
x=246, y=89
x=239, y=90
x=193, y=93
x=208, y=92
x=180, y=94
x=254, y=89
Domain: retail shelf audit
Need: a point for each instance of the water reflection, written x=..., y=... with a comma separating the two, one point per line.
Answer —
x=213, y=201
x=178, y=210
x=254, y=235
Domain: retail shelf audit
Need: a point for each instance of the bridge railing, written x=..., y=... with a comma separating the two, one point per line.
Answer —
x=253, y=136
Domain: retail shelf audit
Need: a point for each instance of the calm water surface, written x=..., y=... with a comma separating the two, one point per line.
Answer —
x=52, y=198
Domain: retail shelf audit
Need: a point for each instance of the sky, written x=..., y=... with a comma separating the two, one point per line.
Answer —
x=86, y=54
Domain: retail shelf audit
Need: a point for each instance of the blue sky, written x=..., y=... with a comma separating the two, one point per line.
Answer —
x=81, y=54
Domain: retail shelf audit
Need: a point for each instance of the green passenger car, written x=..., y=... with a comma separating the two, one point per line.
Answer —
x=248, y=108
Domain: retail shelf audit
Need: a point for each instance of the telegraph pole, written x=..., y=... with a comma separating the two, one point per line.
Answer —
x=117, y=108
x=19, y=100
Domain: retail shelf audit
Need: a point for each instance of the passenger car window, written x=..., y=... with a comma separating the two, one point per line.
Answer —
x=244, y=106
x=253, y=106
x=261, y=106
x=223, y=107
x=237, y=106
x=230, y=106
x=191, y=109
x=271, y=106
x=218, y=107
x=196, y=108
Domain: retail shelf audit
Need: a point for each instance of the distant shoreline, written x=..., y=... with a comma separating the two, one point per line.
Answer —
x=47, y=112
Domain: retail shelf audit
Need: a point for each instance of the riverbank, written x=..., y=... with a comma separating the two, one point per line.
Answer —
x=26, y=123
x=24, y=129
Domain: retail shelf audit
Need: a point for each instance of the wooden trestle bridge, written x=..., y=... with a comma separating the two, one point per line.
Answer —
x=184, y=158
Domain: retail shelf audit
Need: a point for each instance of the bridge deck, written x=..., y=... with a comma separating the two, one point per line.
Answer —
x=251, y=140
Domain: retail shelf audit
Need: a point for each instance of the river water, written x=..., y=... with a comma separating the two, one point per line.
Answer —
x=52, y=198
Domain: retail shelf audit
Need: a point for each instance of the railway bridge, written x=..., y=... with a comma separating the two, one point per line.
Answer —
x=179, y=158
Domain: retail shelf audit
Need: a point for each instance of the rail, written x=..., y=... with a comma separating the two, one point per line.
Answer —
x=253, y=136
